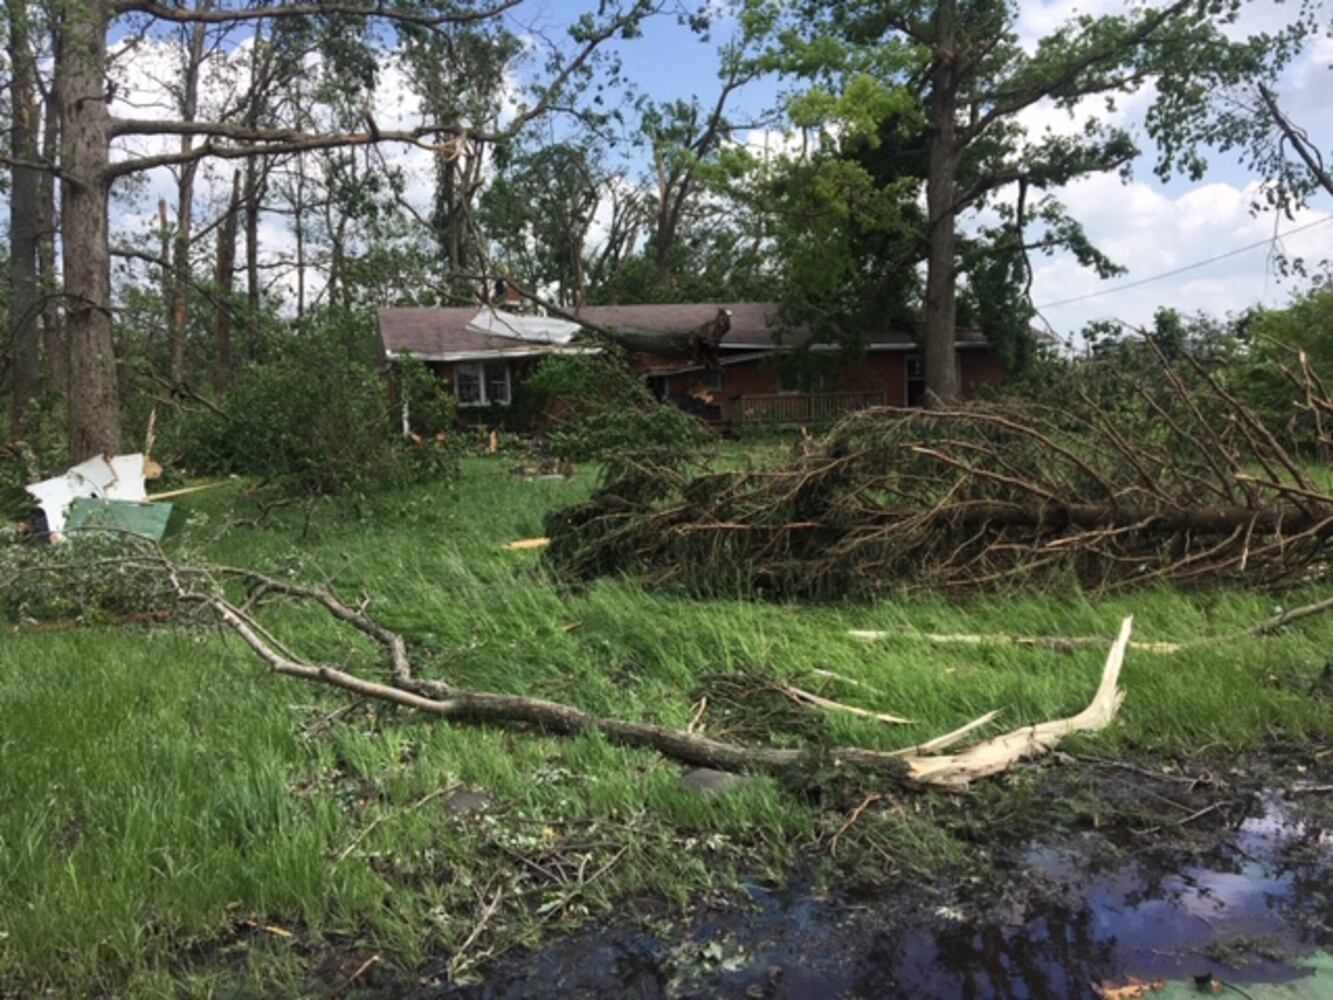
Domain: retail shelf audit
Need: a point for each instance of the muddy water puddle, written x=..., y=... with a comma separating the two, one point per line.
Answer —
x=1064, y=918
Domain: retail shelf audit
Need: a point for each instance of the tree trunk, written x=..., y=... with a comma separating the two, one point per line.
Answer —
x=94, y=403
x=24, y=304
x=252, y=198
x=941, y=355
x=179, y=302
x=226, y=266
x=53, y=338
x=298, y=226
x=254, y=184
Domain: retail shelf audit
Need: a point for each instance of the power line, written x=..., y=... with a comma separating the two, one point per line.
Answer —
x=1187, y=267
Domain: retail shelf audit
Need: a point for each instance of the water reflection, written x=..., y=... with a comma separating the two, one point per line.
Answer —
x=1072, y=920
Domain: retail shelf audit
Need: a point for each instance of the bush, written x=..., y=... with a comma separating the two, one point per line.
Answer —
x=81, y=579
x=1274, y=339
x=597, y=407
x=317, y=422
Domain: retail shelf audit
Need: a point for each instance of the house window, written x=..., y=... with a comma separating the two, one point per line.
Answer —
x=482, y=383
x=709, y=378
x=497, y=383
x=916, y=380
x=790, y=380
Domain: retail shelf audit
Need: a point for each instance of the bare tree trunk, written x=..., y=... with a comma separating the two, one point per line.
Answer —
x=178, y=307
x=24, y=305
x=254, y=192
x=662, y=240
x=226, y=266
x=252, y=199
x=941, y=191
x=94, y=399
x=164, y=264
x=298, y=224
x=53, y=338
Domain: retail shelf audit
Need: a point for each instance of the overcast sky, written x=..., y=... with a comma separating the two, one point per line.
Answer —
x=1145, y=225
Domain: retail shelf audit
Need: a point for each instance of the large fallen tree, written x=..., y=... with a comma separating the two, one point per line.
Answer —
x=1157, y=474
x=237, y=598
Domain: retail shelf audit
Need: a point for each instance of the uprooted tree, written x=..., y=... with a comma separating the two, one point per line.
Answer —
x=1154, y=473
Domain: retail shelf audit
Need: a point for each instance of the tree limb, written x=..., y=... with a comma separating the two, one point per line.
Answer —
x=403, y=15
x=1314, y=162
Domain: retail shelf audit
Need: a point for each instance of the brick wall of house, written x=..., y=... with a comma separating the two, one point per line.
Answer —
x=884, y=372
x=980, y=367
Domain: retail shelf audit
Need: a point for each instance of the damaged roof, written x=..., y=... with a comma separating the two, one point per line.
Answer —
x=446, y=334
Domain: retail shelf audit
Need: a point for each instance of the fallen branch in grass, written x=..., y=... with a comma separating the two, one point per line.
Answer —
x=995, y=755
x=207, y=588
x=1061, y=643
x=851, y=819
x=919, y=765
x=801, y=696
x=1069, y=643
x=361, y=970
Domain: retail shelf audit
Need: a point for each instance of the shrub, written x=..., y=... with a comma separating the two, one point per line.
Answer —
x=597, y=407
x=317, y=422
x=81, y=579
x=1274, y=339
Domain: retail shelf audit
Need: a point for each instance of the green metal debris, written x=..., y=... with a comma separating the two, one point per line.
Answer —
x=140, y=518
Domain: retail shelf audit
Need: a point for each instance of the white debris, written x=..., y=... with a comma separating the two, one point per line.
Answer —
x=537, y=329
x=120, y=477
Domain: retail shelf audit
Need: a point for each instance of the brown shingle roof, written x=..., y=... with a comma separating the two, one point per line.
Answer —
x=436, y=331
x=753, y=324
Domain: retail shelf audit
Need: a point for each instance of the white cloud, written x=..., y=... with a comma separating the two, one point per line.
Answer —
x=1148, y=231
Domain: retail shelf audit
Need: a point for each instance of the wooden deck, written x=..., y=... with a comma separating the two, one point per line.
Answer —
x=800, y=408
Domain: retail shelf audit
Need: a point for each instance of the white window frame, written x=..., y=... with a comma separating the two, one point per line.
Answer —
x=478, y=369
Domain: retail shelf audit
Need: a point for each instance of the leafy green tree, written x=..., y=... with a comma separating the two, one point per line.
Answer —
x=537, y=213
x=952, y=74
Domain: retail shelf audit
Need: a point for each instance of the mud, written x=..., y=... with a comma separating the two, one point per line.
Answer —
x=1239, y=895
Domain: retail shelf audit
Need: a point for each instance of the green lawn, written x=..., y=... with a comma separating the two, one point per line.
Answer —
x=163, y=799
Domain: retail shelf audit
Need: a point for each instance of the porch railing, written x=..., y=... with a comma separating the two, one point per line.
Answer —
x=800, y=407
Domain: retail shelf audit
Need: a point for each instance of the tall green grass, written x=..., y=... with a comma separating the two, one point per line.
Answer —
x=162, y=797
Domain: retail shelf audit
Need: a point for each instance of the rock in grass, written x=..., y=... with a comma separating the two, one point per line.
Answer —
x=706, y=781
x=465, y=801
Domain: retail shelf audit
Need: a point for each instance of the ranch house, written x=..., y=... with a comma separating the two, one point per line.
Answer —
x=487, y=353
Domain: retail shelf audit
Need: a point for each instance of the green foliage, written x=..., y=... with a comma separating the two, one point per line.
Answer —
x=87, y=577
x=598, y=407
x=879, y=80
x=317, y=421
x=1274, y=339
x=18, y=467
x=40, y=455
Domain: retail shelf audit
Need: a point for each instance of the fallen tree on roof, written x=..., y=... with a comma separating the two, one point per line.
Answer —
x=1178, y=481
